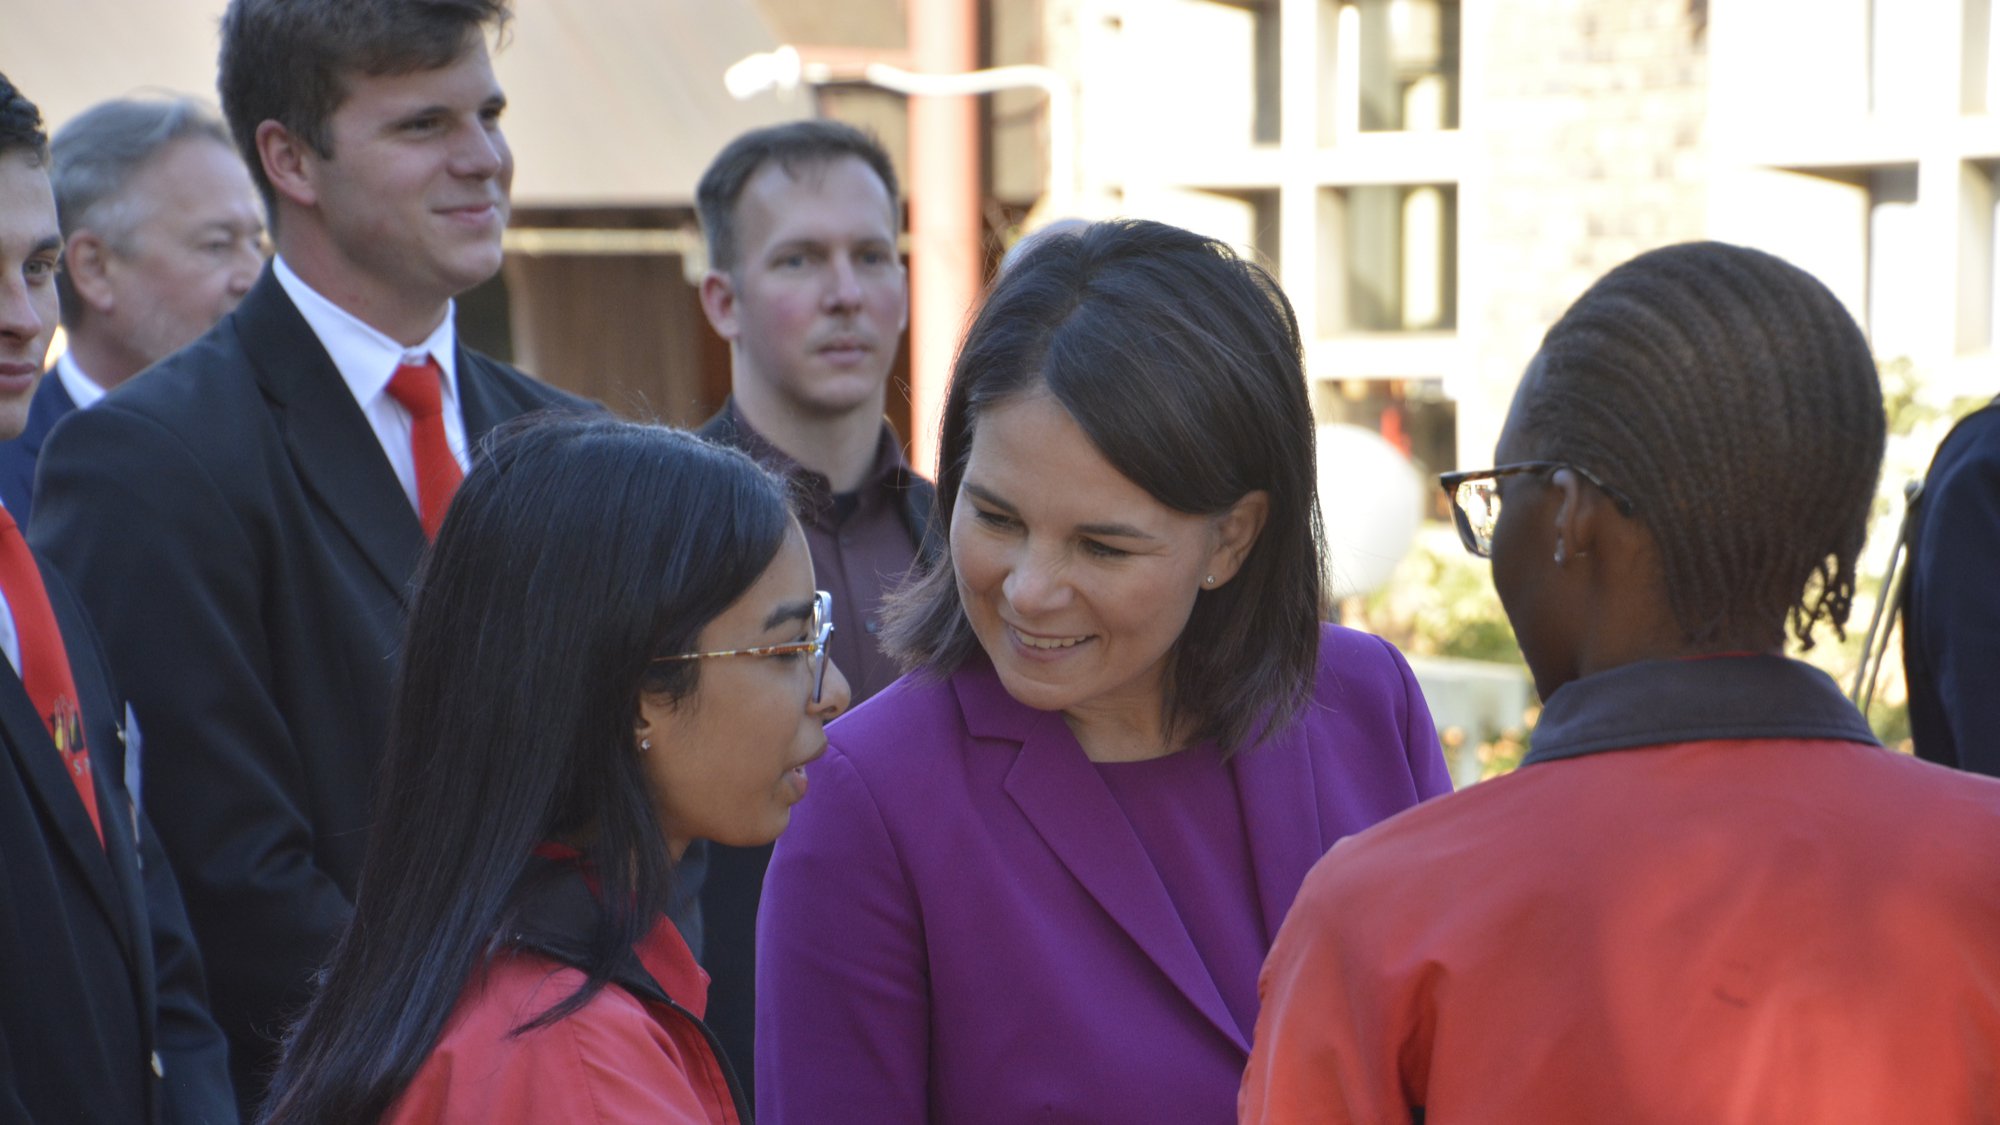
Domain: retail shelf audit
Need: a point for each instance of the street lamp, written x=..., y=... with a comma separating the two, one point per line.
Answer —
x=784, y=71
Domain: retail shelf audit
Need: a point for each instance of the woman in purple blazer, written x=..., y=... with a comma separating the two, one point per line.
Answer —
x=1035, y=879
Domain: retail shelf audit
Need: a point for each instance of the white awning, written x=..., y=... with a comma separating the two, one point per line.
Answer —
x=611, y=102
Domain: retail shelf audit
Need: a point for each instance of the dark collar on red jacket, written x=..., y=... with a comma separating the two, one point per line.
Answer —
x=1656, y=702
x=557, y=915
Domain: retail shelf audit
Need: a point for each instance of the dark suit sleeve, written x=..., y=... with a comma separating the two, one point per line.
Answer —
x=12, y=1112
x=192, y=1050
x=1955, y=565
x=174, y=581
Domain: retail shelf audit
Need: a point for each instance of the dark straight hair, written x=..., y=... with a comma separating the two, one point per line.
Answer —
x=1181, y=363
x=579, y=549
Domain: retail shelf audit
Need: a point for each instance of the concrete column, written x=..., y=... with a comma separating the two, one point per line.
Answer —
x=944, y=192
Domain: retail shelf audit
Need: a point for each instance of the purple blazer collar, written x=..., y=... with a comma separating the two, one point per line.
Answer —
x=1068, y=804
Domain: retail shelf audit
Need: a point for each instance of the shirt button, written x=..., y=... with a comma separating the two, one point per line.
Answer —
x=158, y=1070
x=872, y=625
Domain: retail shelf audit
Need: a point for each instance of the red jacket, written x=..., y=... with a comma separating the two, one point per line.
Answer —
x=1709, y=897
x=637, y=1052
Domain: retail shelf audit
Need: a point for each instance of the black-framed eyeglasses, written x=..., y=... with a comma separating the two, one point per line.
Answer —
x=1475, y=498
x=817, y=632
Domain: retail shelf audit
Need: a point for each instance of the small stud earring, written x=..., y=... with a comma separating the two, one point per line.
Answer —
x=1209, y=581
x=645, y=746
x=1559, y=552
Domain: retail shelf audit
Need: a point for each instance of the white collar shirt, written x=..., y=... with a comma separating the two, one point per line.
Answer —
x=83, y=390
x=367, y=360
x=10, y=636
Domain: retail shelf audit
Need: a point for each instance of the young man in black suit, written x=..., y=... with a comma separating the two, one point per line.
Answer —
x=102, y=1014
x=244, y=521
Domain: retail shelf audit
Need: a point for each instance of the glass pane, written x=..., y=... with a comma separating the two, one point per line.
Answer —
x=1396, y=258
x=1408, y=59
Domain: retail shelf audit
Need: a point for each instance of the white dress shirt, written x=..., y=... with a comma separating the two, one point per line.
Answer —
x=367, y=360
x=83, y=390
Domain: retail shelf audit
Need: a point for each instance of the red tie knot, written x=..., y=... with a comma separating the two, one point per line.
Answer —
x=417, y=387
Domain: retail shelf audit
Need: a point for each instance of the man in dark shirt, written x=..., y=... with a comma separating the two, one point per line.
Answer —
x=806, y=285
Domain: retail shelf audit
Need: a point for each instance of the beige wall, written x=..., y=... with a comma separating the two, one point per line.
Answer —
x=1855, y=137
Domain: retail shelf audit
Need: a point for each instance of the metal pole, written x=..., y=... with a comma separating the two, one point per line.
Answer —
x=944, y=193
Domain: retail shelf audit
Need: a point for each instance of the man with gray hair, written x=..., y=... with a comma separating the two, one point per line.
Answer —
x=162, y=233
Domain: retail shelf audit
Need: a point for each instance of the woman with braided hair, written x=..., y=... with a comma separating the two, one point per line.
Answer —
x=1709, y=894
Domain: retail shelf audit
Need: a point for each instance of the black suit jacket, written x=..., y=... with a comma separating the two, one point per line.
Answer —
x=232, y=523
x=1951, y=615
x=100, y=988
x=17, y=457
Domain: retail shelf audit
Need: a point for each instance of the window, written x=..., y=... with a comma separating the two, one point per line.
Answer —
x=1899, y=58
x=1389, y=258
x=1389, y=65
x=1896, y=301
x=1979, y=265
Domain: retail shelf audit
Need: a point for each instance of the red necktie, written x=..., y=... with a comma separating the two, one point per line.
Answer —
x=417, y=387
x=44, y=663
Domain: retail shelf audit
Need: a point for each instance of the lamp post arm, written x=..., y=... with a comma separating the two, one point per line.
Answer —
x=1062, y=117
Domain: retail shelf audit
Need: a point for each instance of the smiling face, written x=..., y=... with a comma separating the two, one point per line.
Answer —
x=1077, y=581
x=30, y=247
x=187, y=248
x=816, y=302
x=727, y=762
x=409, y=210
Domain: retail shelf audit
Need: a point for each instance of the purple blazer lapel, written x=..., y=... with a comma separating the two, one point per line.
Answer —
x=1069, y=806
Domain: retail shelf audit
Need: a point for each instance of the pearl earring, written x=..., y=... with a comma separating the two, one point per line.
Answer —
x=645, y=746
x=1559, y=552
x=1209, y=581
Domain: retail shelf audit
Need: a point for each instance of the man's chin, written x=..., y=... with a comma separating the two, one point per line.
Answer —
x=841, y=393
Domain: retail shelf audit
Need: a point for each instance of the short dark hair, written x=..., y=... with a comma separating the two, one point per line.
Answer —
x=1181, y=363
x=21, y=123
x=793, y=146
x=96, y=155
x=578, y=550
x=1734, y=399
x=288, y=60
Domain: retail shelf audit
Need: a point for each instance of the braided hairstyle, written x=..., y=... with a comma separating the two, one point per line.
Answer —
x=1733, y=398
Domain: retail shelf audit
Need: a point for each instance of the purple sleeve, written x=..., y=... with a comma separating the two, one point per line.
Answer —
x=843, y=999
x=1420, y=737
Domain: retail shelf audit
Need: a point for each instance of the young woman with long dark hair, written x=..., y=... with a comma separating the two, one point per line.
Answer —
x=615, y=648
